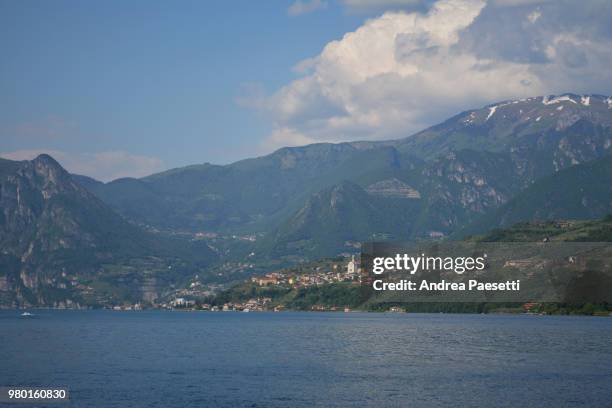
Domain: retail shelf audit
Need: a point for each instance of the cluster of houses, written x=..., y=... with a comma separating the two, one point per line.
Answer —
x=324, y=308
x=252, y=305
x=317, y=275
x=135, y=306
x=196, y=289
x=338, y=273
x=182, y=303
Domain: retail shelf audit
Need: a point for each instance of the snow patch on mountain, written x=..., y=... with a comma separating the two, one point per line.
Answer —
x=492, y=110
x=547, y=100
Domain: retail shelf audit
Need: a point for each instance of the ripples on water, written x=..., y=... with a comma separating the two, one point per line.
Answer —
x=181, y=359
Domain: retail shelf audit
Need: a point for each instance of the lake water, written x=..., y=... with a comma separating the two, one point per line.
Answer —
x=199, y=359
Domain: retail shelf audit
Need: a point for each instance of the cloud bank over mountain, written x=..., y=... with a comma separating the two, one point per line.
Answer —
x=405, y=70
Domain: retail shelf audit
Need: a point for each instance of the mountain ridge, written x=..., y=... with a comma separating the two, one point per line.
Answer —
x=546, y=100
x=462, y=168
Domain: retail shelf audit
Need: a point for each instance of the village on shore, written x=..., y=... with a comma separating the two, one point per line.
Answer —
x=321, y=273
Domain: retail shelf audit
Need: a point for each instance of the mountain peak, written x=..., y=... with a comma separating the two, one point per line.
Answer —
x=526, y=109
x=503, y=123
x=46, y=163
x=46, y=159
x=51, y=171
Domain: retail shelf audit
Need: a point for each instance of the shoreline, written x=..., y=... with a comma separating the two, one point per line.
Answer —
x=336, y=312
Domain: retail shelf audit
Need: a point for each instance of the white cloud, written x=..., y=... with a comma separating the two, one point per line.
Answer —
x=534, y=16
x=103, y=166
x=300, y=7
x=401, y=72
x=286, y=137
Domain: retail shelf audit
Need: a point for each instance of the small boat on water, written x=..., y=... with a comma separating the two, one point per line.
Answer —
x=27, y=314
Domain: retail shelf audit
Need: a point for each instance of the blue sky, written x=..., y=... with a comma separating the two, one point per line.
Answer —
x=155, y=79
x=126, y=88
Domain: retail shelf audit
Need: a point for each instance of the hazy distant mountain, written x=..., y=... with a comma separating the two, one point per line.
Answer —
x=250, y=195
x=583, y=191
x=61, y=244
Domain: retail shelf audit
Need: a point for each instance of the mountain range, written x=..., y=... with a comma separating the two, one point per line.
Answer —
x=64, y=247
x=535, y=158
x=458, y=170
